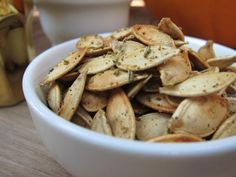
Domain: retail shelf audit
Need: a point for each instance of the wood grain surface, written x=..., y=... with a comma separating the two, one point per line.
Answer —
x=22, y=153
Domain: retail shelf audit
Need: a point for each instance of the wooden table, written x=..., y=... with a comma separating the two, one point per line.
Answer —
x=22, y=153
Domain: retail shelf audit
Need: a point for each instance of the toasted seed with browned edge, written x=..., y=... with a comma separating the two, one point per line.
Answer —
x=150, y=35
x=197, y=60
x=112, y=79
x=145, y=58
x=72, y=97
x=100, y=123
x=133, y=91
x=200, y=116
x=93, y=101
x=54, y=97
x=98, y=64
x=201, y=84
x=175, y=70
x=152, y=125
x=90, y=42
x=167, y=26
x=207, y=51
x=176, y=138
x=121, y=116
x=227, y=128
x=64, y=66
x=85, y=116
x=155, y=101
x=121, y=33
x=222, y=62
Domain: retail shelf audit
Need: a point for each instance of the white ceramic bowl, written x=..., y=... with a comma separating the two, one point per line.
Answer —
x=88, y=154
x=67, y=19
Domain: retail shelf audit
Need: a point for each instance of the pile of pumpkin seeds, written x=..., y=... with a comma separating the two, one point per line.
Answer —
x=143, y=83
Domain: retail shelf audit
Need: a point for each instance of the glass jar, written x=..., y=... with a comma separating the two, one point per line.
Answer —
x=15, y=50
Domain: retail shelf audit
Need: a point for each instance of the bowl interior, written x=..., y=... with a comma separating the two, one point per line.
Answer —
x=34, y=97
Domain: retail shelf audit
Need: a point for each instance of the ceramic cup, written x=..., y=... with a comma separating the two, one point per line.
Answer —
x=66, y=19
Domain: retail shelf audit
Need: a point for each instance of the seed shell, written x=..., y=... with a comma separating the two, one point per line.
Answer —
x=120, y=114
x=73, y=97
x=64, y=66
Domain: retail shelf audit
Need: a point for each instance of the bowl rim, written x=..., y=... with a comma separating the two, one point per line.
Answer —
x=196, y=149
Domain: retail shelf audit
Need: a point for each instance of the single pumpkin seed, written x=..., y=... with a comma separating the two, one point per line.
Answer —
x=145, y=58
x=93, y=101
x=207, y=51
x=198, y=61
x=111, y=79
x=150, y=35
x=201, y=85
x=151, y=125
x=179, y=43
x=73, y=97
x=227, y=128
x=64, y=66
x=167, y=26
x=121, y=33
x=176, y=138
x=222, y=62
x=175, y=70
x=134, y=89
x=90, y=42
x=120, y=114
x=54, y=97
x=200, y=116
x=85, y=116
x=155, y=101
x=98, y=64
x=100, y=123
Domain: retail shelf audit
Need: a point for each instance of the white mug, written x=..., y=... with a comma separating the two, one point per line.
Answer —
x=67, y=19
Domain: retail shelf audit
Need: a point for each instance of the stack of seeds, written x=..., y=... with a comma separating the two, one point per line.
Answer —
x=144, y=83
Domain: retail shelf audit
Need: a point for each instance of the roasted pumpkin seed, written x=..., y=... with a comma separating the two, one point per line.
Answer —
x=99, y=64
x=111, y=79
x=156, y=101
x=120, y=114
x=175, y=70
x=72, y=97
x=152, y=125
x=100, y=123
x=222, y=62
x=54, y=97
x=227, y=128
x=64, y=66
x=93, y=101
x=134, y=89
x=150, y=35
x=85, y=116
x=145, y=58
x=200, y=116
x=201, y=85
x=207, y=51
x=176, y=138
x=167, y=26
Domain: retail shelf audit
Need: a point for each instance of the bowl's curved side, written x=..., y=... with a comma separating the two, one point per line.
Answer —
x=89, y=154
